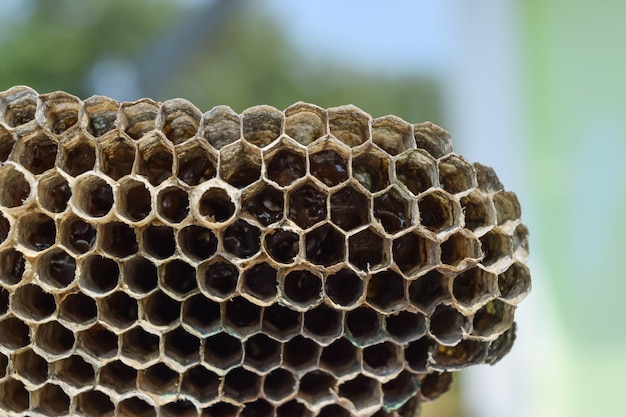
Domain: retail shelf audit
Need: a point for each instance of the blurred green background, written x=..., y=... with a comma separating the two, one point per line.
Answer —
x=534, y=88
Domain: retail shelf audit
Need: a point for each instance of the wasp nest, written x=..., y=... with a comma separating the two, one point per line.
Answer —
x=155, y=260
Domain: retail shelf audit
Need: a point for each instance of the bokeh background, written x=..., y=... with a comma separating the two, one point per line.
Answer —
x=534, y=88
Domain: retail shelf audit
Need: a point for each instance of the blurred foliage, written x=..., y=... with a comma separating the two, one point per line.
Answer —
x=242, y=60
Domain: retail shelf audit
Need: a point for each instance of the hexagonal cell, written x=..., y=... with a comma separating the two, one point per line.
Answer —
x=94, y=403
x=317, y=387
x=53, y=192
x=118, y=239
x=514, y=283
x=328, y=165
x=178, y=277
x=261, y=125
x=119, y=310
x=159, y=379
x=367, y=250
x=140, y=275
x=259, y=281
x=222, y=351
x=258, y=408
x=57, y=268
x=173, y=204
x=405, y=326
x=493, y=319
x=285, y=166
x=302, y=287
x=77, y=235
x=333, y=410
x=158, y=241
x=139, y=117
x=154, y=160
x=433, y=139
x=473, y=287
x=15, y=396
x=179, y=408
x=323, y=323
x=74, y=371
x=195, y=164
x=349, y=124
x=417, y=354
x=501, y=346
x=101, y=113
x=307, y=205
x=416, y=170
x=117, y=156
x=242, y=239
x=30, y=367
x=393, y=210
x=218, y=277
x=362, y=392
x=37, y=153
x=78, y=308
x=438, y=212
x=265, y=203
x=496, y=247
x=447, y=325
x=98, y=274
x=59, y=111
x=5, y=228
x=413, y=252
x=241, y=316
x=216, y=204
x=51, y=337
x=520, y=242
x=349, y=208
x=400, y=390
x=32, y=303
x=456, y=174
x=12, y=266
x=279, y=384
x=344, y=287
x=93, y=196
x=282, y=245
x=508, y=208
x=135, y=406
x=181, y=346
x=429, y=290
x=392, y=134
x=240, y=164
x=340, y=358
x=382, y=360
x=4, y=307
x=18, y=105
x=241, y=385
x=36, y=231
x=51, y=400
x=305, y=123
x=464, y=354
x=435, y=384
x=179, y=120
x=139, y=345
x=262, y=353
x=478, y=211
x=200, y=383
x=135, y=201
x=371, y=169
x=459, y=247
x=201, y=314
x=363, y=326
x=118, y=376
x=98, y=342
x=221, y=409
x=160, y=309
x=78, y=156
x=14, y=187
x=7, y=142
x=325, y=245
x=385, y=291
x=220, y=126
x=300, y=354
x=197, y=242
x=281, y=322
x=487, y=179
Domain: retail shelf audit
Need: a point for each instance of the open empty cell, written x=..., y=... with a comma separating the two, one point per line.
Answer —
x=417, y=354
x=241, y=385
x=221, y=409
x=36, y=231
x=344, y=287
x=493, y=319
x=367, y=250
x=201, y=314
x=4, y=305
x=93, y=196
x=329, y=166
x=264, y=203
x=5, y=228
x=300, y=354
x=496, y=247
x=51, y=400
x=393, y=210
x=57, y=268
x=7, y=142
x=117, y=156
x=416, y=170
x=178, y=277
x=262, y=353
x=429, y=290
x=349, y=124
x=447, y=325
x=136, y=407
x=438, y=212
x=260, y=282
x=478, y=211
x=78, y=309
x=196, y=164
x=94, y=403
x=507, y=206
x=371, y=169
x=302, y=287
x=78, y=156
x=181, y=346
x=281, y=322
x=464, y=354
x=51, y=337
x=459, y=247
x=333, y=410
x=307, y=205
x=323, y=323
x=305, y=123
x=279, y=384
x=140, y=117
x=118, y=239
x=14, y=187
x=392, y=134
x=240, y=164
x=173, y=204
x=30, y=366
x=180, y=120
x=363, y=326
x=325, y=245
x=139, y=345
x=220, y=126
x=53, y=192
x=159, y=379
x=140, y=275
x=455, y=174
x=293, y=408
x=37, y=153
x=154, y=160
x=382, y=360
x=413, y=252
x=242, y=239
x=77, y=235
x=158, y=241
x=201, y=384
x=118, y=376
x=216, y=205
x=74, y=371
x=362, y=392
x=99, y=274
x=101, y=114
x=98, y=341
x=197, y=242
x=241, y=316
x=317, y=387
x=385, y=291
x=514, y=283
x=405, y=326
x=160, y=309
x=32, y=303
x=179, y=408
x=258, y=408
x=119, y=310
x=473, y=287
x=59, y=111
x=433, y=139
x=261, y=125
x=222, y=351
x=218, y=277
x=285, y=166
x=18, y=106
x=12, y=266
x=400, y=389
x=16, y=397
x=135, y=201
x=349, y=208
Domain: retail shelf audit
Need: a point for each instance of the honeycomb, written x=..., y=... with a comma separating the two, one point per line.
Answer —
x=155, y=260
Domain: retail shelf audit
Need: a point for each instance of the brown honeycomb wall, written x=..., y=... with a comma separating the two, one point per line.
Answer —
x=155, y=260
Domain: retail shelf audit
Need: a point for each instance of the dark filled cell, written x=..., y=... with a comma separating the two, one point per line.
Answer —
x=344, y=287
x=447, y=324
x=405, y=326
x=158, y=241
x=262, y=352
x=118, y=239
x=371, y=171
x=31, y=302
x=136, y=203
x=366, y=250
x=54, y=193
x=195, y=167
x=281, y=322
x=200, y=383
x=363, y=324
x=12, y=266
x=265, y=205
x=329, y=167
x=307, y=206
x=241, y=385
x=119, y=310
x=316, y=386
x=323, y=321
x=241, y=314
x=242, y=239
x=220, y=278
x=179, y=277
x=139, y=345
x=173, y=204
x=140, y=274
x=38, y=231
x=285, y=167
x=436, y=212
x=300, y=353
x=282, y=245
x=78, y=308
x=79, y=158
x=200, y=313
x=410, y=252
x=96, y=197
x=181, y=346
x=39, y=155
x=258, y=408
x=161, y=310
x=223, y=351
x=197, y=242
x=385, y=290
x=293, y=408
x=325, y=246
x=428, y=290
x=216, y=205
x=117, y=157
x=118, y=376
x=80, y=236
x=302, y=287
x=392, y=210
x=98, y=341
x=279, y=384
x=260, y=281
x=349, y=208
x=156, y=163
x=99, y=274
